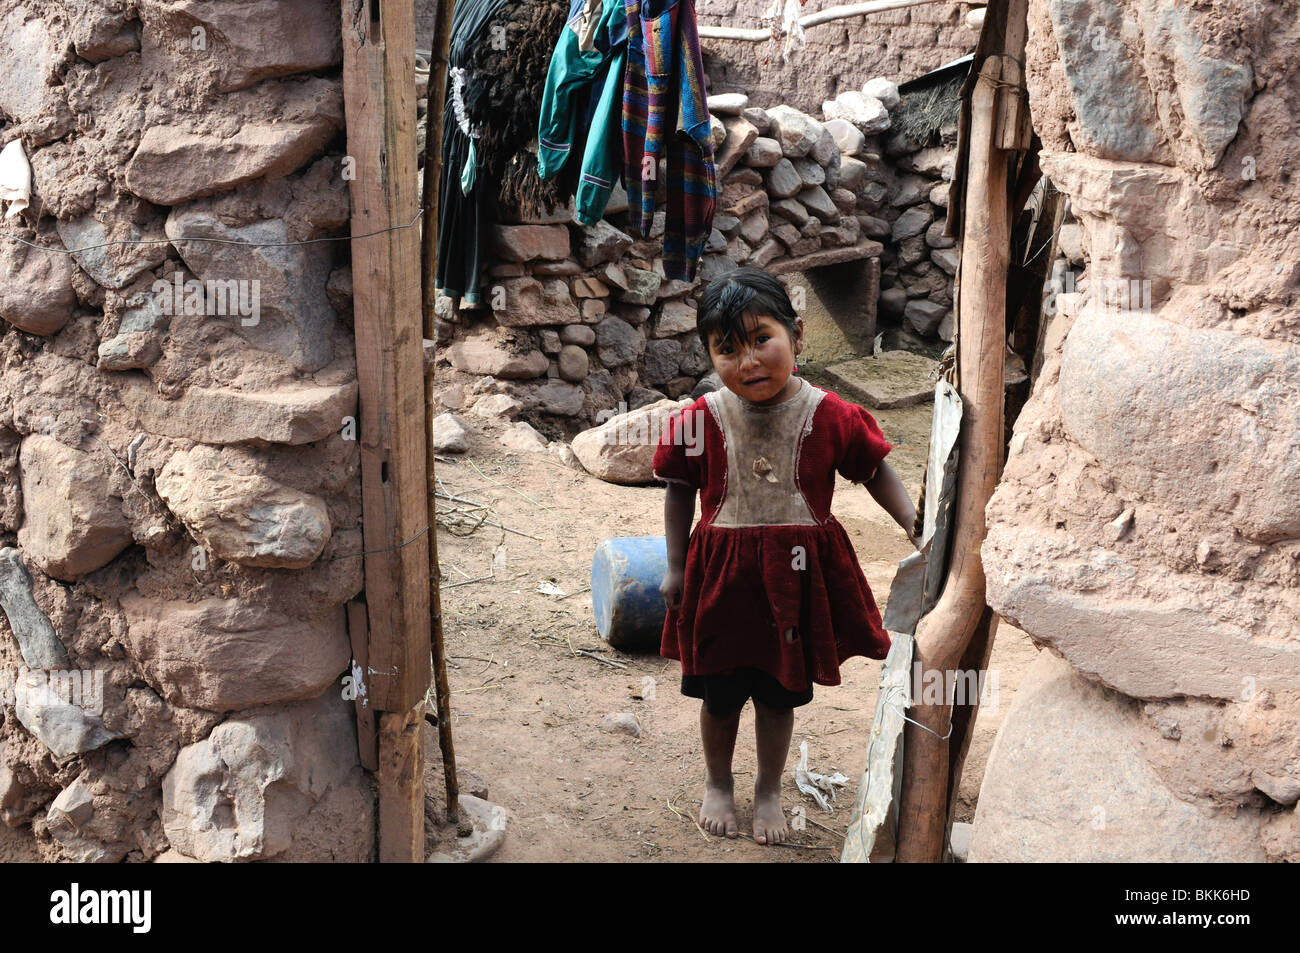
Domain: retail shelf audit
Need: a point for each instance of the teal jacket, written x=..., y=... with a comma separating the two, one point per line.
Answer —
x=589, y=56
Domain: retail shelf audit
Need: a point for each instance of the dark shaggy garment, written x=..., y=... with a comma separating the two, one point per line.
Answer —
x=505, y=48
x=508, y=101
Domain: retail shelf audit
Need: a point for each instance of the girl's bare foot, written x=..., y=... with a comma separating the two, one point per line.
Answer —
x=718, y=813
x=770, y=826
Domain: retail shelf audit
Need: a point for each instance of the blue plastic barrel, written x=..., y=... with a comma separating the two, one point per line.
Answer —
x=625, y=576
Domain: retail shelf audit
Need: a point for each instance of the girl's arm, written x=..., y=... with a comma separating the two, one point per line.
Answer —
x=679, y=513
x=887, y=489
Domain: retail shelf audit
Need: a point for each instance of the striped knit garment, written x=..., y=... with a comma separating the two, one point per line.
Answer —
x=665, y=114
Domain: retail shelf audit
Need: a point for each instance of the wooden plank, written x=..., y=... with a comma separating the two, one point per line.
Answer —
x=873, y=827
x=401, y=786
x=359, y=634
x=378, y=63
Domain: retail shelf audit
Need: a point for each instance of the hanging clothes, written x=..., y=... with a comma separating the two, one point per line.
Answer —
x=588, y=61
x=665, y=115
x=466, y=198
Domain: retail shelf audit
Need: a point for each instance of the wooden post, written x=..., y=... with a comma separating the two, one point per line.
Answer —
x=943, y=635
x=379, y=91
x=432, y=167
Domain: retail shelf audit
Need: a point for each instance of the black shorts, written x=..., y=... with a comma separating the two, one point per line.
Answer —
x=727, y=694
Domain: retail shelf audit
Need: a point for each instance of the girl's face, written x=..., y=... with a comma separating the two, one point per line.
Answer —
x=758, y=367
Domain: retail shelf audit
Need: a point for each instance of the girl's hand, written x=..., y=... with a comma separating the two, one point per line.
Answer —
x=671, y=587
x=914, y=539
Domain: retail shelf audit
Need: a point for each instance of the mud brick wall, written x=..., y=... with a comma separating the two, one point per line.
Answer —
x=896, y=44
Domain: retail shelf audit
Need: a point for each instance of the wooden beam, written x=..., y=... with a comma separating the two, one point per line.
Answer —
x=444, y=10
x=379, y=97
x=943, y=635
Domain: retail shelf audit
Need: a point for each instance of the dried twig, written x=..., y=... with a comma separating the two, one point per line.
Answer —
x=683, y=817
x=603, y=661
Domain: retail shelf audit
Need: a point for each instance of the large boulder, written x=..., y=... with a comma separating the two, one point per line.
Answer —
x=622, y=449
x=1067, y=780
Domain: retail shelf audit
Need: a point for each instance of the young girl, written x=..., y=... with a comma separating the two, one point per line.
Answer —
x=767, y=597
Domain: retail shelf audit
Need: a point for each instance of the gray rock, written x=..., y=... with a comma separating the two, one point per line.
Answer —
x=578, y=334
x=763, y=153
x=796, y=131
x=809, y=172
x=793, y=211
x=63, y=709
x=912, y=222
x=866, y=112
x=819, y=203
x=138, y=342
x=727, y=104
x=618, y=343
x=574, y=362
x=758, y=118
x=643, y=286
x=884, y=90
x=661, y=357
x=291, y=316
x=783, y=180
x=706, y=385
x=874, y=227
x=935, y=238
x=853, y=174
x=893, y=301
x=923, y=316
x=601, y=243
x=556, y=397
x=695, y=358
x=848, y=137
x=872, y=195
x=450, y=434
x=911, y=190
x=946, y=258
x=118, y=265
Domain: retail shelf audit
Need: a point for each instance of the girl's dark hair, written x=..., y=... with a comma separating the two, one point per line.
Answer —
x=744, y=291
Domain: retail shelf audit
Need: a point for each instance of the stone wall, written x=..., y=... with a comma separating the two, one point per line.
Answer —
x=181, y=491
x=1146, y=530
x=578, y=320
x=896, y=44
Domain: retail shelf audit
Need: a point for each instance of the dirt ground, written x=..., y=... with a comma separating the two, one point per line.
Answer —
x=527, y=711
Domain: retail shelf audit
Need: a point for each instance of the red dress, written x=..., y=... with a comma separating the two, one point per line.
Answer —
x=767, y=555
